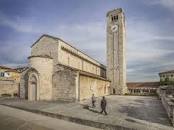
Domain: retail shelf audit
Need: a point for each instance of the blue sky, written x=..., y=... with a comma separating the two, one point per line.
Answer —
x=149, y=28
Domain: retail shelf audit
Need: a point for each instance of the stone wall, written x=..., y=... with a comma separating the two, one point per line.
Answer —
x=9, y=87
x=44, y=67
x=24, y=85
x=64, y=84
x=72, y=57
x=46, y=46
x=167, y=101
x=90, y=85
x=72, y=84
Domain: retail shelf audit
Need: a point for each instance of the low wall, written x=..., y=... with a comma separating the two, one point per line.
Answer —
x=9, y=88
x=168, y=102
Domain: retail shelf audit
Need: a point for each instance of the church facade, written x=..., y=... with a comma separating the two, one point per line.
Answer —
x=59, y=71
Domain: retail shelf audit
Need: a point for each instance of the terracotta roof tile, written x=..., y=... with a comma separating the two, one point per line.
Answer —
x=8, y=69
x=133, y=85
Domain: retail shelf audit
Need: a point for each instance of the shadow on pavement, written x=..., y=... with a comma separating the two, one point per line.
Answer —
x=87, y=107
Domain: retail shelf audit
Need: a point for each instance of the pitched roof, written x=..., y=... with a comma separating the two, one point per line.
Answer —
x=4, y=67
x=8, y=69
x=56, y=38
x=92, y=75
x=11, y=70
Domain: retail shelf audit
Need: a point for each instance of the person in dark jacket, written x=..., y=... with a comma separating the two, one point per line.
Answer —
x=103, y=105
x=93, y=100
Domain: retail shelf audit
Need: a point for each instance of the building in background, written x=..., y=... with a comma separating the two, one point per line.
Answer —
x=143, y=88
x=9, y=73
x=9, y=81
x=167, y=77
x=166, y=92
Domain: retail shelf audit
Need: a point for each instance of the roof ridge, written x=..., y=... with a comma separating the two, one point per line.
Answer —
x=50, y=36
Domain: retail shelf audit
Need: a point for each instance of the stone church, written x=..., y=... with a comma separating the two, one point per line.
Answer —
x=59, y=71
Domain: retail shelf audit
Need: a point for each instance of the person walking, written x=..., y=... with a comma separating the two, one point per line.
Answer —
x=103, y=105
x=93, y=100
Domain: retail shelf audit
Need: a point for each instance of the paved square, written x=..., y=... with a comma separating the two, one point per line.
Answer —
x=139, y=112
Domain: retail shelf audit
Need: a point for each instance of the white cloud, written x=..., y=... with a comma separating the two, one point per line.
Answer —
x=14, y=52
x=165, y=3
x=145, y=58
x=19, y=24
x=168, y=3
x=142, y=39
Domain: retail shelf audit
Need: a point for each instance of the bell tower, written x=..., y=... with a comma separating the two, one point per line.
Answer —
x=116, y=62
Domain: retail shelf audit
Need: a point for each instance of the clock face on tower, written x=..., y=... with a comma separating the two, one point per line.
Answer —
x=114, y=28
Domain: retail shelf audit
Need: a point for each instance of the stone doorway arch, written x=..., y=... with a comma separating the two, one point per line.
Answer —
x=32, y=87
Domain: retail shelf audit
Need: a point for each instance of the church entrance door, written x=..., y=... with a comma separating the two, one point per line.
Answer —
x=32, y=95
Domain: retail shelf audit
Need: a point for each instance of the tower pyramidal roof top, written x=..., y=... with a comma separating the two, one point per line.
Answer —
x=118, y=10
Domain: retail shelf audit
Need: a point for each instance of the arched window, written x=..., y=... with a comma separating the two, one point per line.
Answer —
x=114, y=18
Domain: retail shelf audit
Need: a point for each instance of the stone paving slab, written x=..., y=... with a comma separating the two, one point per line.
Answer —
x=15, y=119
x=136, y=112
